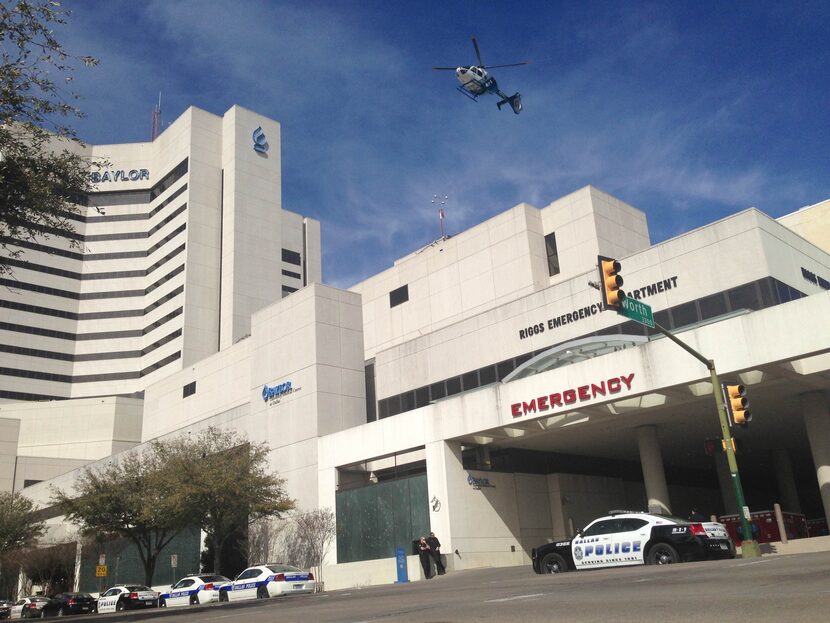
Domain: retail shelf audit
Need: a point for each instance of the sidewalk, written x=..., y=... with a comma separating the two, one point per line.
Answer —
x=795, y=546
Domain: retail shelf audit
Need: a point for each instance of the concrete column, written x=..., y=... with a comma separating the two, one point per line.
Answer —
x=784, y=477
x=817, y=420
x=445, y=482
x=727, y=489
x=653, y=475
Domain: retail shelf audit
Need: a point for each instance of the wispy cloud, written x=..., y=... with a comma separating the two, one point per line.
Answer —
x=665, y=106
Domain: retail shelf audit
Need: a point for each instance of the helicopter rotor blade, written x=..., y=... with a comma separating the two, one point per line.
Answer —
x=478, y=53
x=445, y=68
x=510, y=65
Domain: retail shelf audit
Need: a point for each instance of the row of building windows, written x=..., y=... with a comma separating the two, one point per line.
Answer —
x=288, y=273
x=755, y=295
x=89, y=378
x=82, y=337
x=118, y=274
x=12, y=284
x=126, y=354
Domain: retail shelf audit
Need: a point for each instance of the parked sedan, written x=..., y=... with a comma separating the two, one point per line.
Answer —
x=68, y=603
x=127, y=597
x=28, y=607
x=5, y=609
x=194, y=589
x=271, y=580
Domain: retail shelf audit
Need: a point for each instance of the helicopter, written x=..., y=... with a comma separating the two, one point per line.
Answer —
x=475, y=81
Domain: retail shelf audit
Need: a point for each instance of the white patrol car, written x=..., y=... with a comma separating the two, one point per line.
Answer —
x=127, y=597
x=629, y=538
x=193, y=589
x=270, y=580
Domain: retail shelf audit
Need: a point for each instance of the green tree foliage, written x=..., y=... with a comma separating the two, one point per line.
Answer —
x=18, y=525
x=134, y=496
x=225, y=483
x=41, y=178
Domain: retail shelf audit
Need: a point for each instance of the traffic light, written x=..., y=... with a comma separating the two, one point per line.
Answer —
x=737, y=405
x=610, y=283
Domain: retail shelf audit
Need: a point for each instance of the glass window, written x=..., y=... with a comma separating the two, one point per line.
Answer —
x=407, y=401
x=399, y=295
x=487, y=375
x=437, y=390
x=712, y=306
x=470, y=380
x=553, y=255
x=684, y=315
x=189, y=389
x=630, y=525
x=422, y=397
x=394, y=405
x=383, y=406
x=291, y=257
x=454, y=386
x=606, y=526
x=504, y=368
x=744, y=297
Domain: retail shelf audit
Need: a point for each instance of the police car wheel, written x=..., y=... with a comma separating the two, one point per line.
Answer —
x=553, y=563
x=162, y=603
x=194, y=600
x=223, y=595
x=120, y=606
x=262, y=593
x=662, y=554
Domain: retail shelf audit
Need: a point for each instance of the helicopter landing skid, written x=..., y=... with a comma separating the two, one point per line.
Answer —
x=467, y=93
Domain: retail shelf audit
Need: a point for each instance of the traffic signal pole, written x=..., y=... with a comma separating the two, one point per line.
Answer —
x=613, y=298
x=749, y=547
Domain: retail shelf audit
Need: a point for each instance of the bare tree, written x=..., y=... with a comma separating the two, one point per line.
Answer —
x=316, y=530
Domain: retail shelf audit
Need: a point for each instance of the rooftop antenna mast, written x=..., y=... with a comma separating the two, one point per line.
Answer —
x=155, y=128
x=441, y=203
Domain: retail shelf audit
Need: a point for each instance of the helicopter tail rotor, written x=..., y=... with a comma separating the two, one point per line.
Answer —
x=515, y=102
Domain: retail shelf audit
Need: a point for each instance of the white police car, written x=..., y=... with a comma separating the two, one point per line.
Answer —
x=629, y=538
x=193, y=589
x=270, y=580
x=127, y=597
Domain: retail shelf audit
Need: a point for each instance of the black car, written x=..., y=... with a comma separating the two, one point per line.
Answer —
x=63, y=604
x=5, y=609
x=630, y=538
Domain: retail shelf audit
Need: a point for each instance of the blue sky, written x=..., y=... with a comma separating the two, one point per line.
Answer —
x=688, y=111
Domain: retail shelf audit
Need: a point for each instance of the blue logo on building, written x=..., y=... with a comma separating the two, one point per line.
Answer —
x=260, y=142
x=276, y=391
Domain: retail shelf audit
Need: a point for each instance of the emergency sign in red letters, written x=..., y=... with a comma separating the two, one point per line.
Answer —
x=572, y=396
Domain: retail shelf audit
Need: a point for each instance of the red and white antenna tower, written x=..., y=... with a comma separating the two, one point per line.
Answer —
x=442, y=203
x=155, y=128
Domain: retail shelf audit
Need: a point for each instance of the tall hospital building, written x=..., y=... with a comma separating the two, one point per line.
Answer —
x=476, y=388
x=183, y=240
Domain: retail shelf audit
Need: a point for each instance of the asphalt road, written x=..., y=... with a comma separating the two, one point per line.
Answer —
x=773, y=588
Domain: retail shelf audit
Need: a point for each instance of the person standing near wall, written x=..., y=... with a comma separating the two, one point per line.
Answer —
x=435, y=550
x=424, y=554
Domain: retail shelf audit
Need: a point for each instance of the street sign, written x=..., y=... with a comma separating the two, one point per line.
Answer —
x=174, y=560
x=637, y=311
x=102, y=559
x=101, y=571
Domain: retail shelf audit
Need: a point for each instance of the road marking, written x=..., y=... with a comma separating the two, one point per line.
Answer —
x=490, y=601
x=746, y=564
